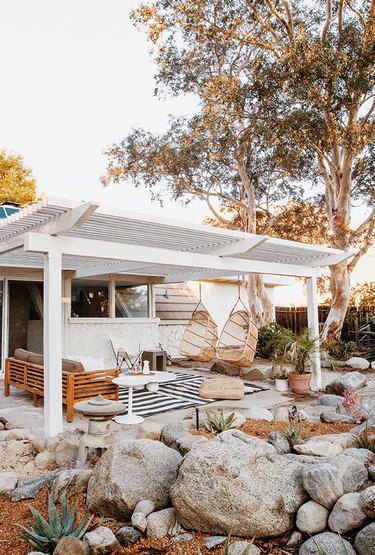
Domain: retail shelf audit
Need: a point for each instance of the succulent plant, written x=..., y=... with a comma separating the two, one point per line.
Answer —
x=44, y=536
x=219, y=422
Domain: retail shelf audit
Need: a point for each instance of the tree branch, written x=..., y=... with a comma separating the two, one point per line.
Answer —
x=327, y=23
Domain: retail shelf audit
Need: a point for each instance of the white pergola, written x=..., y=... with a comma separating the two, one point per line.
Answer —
x=91, y=240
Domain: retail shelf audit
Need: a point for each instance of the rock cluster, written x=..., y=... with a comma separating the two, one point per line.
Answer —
x=170, y=482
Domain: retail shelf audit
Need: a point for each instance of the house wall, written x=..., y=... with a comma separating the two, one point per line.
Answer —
x=170, y=335
x=90, y=337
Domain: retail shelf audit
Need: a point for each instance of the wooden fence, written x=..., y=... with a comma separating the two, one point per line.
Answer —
x=295, y=318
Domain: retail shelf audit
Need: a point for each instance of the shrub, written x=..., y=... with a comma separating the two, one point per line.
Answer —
x=268, y=339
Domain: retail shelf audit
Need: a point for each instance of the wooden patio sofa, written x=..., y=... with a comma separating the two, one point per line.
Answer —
x=25, y=371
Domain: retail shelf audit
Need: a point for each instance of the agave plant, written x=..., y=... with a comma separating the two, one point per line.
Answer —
x=219, y=422
x=44, y=536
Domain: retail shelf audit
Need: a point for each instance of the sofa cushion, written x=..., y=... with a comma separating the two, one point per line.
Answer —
x=36, y=359
x=22, y=354
x=89, y=363
x=71, y=366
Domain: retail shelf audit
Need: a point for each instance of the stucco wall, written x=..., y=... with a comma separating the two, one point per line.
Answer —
x=91, y=337
x=170, y=337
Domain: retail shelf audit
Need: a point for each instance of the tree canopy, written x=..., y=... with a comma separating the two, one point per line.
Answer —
x=17, y=183
x=286, y=95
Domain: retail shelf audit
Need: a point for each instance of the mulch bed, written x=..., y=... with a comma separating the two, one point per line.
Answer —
x=18, y=512
x=262, y=428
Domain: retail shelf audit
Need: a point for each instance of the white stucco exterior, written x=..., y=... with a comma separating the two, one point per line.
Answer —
x=90, y=337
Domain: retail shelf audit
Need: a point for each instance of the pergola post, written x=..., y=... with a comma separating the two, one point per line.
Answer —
x=313, y=324
x=53, y=416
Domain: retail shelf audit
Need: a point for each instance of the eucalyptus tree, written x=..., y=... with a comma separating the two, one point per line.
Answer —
x=224, y=154
x=286, y=93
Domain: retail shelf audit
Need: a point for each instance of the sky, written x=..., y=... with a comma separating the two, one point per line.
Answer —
x=76, y=77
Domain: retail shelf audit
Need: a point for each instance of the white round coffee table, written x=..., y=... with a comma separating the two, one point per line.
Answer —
x=132, y=381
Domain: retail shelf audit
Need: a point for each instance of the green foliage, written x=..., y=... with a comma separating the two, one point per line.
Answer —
x=219, y=422
x=17, y=183
x=293, y=432
x=298, y=348
x=44, y=536
x=339, y=348
x=282, y=375
x=269, y=339
x=284, y=97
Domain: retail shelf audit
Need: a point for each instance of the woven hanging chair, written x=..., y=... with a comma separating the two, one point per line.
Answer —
x=200, y=336
x=238, y=340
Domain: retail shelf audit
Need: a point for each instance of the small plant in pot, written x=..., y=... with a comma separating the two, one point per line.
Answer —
x=281, y=380
x=299, y=349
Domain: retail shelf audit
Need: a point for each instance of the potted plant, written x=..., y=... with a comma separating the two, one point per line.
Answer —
x=299, y=349
x=281, y=380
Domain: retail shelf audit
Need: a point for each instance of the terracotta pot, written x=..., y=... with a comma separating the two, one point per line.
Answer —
x=299, y=383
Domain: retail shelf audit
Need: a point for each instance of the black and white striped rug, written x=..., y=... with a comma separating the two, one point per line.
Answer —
x=181, y=393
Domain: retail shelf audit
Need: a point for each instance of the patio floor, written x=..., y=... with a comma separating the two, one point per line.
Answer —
x=19, y=409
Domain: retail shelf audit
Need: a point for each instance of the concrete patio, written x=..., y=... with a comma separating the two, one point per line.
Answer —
x=19, y=409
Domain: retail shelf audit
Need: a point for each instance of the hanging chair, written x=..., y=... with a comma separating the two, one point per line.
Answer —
x=238, y=339
x=200, y=336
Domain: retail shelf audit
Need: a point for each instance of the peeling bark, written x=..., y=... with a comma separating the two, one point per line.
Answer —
x=260, y=306
x=340, y=283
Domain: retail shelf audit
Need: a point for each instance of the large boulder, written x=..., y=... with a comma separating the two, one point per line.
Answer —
x=239, y=485
x=129, y=472
x=365, y=540
x=351, y=382
x=347, y=514
x=323, y=484
x=327, y=543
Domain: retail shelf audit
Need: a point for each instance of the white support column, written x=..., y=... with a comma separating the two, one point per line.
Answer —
x=112, y=297
x=53, y=414
x=313, y=324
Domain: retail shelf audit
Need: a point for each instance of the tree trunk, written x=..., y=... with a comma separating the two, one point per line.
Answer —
x=340, y=283
x=260, y=306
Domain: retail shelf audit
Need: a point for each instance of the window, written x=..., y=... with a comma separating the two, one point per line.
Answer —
x=109, y=299
x=90, y=299
x=131, y=301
